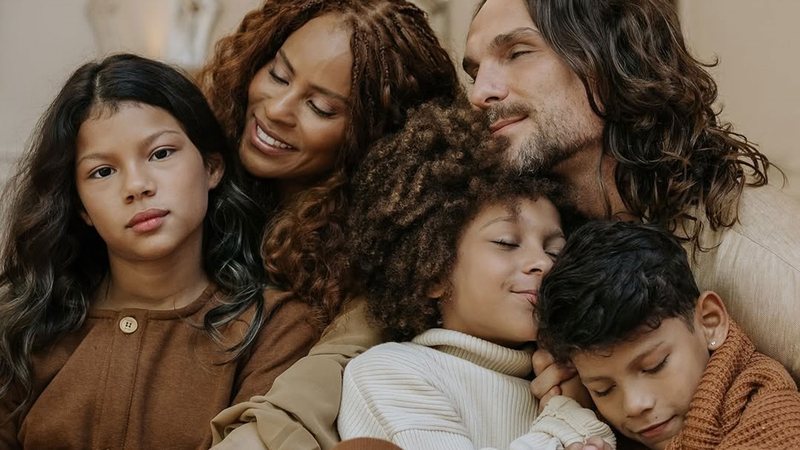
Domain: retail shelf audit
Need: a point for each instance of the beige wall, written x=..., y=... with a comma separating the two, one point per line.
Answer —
x=42, y=42
x=758, y=75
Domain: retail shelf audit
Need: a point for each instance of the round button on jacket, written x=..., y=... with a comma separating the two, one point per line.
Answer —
x=128, y=325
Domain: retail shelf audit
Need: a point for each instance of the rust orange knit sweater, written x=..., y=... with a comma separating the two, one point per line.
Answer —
x=745, y=400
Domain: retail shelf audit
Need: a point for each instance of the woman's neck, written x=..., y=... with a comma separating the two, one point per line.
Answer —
x=289, y=190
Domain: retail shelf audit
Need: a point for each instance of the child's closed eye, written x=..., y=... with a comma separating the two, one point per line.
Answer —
x=602, y=392
x=657, y=368
x=553, y=254
x=505, y=243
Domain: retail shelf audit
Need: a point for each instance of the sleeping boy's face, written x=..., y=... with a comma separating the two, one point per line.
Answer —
x=643, y=387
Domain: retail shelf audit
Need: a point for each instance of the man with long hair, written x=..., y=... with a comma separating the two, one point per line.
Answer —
x=605, y=95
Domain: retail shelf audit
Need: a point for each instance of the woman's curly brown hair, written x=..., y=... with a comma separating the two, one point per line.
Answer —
x=674, y=154
x=397, y=63
x=413, y=196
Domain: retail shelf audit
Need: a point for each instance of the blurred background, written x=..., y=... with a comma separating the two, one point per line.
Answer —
x=43, y=41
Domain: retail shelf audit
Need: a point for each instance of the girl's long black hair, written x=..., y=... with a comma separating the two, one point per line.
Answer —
x=51, y=262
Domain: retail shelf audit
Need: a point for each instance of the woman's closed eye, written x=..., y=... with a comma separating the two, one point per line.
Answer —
x=320, y=111
x=277, y=78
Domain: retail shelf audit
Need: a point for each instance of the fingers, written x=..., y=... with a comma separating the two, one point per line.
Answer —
x=541, y=360
x=574, y=389
x=549, y=378
x=555, y=390
x=592, y=443
x=596, y=443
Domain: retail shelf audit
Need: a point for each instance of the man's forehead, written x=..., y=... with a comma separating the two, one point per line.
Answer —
x=497, y=17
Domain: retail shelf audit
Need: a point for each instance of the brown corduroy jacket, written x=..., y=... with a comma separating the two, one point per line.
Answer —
x=143, y=379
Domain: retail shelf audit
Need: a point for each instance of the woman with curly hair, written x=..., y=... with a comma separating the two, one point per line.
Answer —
x=451, y=252
x=302, y=89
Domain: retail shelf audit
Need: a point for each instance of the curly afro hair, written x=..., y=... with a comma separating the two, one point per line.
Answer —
x=414, y=194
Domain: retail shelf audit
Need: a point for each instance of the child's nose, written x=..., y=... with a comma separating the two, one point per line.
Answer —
x=637, y=402
x=537, y=262
x=138, y=184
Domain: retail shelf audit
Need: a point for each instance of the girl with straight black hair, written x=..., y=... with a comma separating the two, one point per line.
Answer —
x=132, y=300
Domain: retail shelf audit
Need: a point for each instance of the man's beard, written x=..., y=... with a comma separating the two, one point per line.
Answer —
x=556, y=137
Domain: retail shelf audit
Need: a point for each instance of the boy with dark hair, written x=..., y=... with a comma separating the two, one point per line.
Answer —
x=663, y=362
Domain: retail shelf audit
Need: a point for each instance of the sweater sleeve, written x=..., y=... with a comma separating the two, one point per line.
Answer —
x=387, y=395
x=299, y=411
x=771, y=420
x=563, y=422
x=285, y=337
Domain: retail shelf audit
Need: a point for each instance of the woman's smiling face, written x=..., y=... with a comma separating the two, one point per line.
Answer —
x=297, y=110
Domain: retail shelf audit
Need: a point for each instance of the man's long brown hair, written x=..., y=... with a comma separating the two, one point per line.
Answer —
x=397, y=64
x=676, y=160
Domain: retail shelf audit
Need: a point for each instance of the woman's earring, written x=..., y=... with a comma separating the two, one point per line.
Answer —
x=713, y=344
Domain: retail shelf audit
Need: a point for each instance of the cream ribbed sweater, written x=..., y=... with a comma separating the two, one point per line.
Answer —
x=448, y=390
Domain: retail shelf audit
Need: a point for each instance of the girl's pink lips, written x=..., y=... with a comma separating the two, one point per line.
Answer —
x=147, y=220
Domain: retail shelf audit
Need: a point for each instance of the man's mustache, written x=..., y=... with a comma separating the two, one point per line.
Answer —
x=503, y=111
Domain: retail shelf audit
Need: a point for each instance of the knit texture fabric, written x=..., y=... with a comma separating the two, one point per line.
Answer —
x=448, y=390
x=745, y=400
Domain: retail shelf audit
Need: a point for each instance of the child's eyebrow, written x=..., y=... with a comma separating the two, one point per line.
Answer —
x=635, y=362
x=555, y=233
x=146, y=142
x=89, y=157
x=631, y=365
x=509, y=218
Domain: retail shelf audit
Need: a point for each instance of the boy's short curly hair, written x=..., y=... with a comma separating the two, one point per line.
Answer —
x=612, y=281
x=414, y=195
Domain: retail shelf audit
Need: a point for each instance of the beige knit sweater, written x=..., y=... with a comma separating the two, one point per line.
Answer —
x=448, y=390
x=745, y=400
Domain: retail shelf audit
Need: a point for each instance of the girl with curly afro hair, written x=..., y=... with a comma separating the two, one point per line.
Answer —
x=302, y=89
x=451, y=251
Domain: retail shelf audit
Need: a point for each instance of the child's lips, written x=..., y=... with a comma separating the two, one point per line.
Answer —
x=655, y=430
x=147, y=220
x=530, y=294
